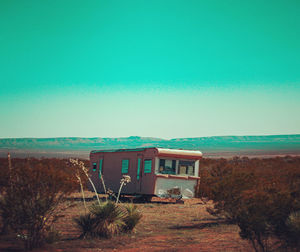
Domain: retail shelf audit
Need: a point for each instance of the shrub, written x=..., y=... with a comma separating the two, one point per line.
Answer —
x=252, y=219
x=224, y=184
x=52, y=235
x=262, y=215
x=293, y=230
x=259, y=195
x=4, y=178
x=132, y=218
x=30, y=201
x=108, y=219
x=85, y=223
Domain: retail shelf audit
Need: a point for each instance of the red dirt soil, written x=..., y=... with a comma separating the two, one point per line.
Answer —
x=163, y=227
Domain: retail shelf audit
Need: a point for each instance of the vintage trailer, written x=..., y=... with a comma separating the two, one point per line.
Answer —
x=153, y=171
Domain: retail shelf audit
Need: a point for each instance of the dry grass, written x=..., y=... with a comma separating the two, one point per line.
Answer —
x=163, y=227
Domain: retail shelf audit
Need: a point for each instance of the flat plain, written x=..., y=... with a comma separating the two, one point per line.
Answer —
x=165, y=226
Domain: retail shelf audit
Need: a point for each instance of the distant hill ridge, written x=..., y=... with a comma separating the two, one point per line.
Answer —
x=210, y=146
x=212, y=143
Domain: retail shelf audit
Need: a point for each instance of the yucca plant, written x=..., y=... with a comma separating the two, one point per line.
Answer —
x=293, y=227
x=124, y=181
x=132, y=217
x=109, y=219
x=85, y=224
x=293, y=222
x=80, y=166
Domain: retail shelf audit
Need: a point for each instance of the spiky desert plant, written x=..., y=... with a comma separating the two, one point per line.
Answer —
x=81, y=189
x=293, y=230
x=111, y=194
x=85, y=223
x=103, y=184
x=81, y=166
x=109, y=219
x=132, y=218
x=293, y=221
x=124, y=181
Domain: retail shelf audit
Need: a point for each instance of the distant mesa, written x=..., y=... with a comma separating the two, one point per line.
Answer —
x=210, y=146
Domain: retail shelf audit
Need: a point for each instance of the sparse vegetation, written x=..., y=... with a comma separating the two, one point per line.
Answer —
x=108, y=219
x=132, y=217
x=31, y=201
x=257, y=195
x=85, y=223
x=292, y=234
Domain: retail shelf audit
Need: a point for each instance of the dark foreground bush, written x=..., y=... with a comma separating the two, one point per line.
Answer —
x=29, y=203
x=292, y=237
x=85, y=223
x=261, y=200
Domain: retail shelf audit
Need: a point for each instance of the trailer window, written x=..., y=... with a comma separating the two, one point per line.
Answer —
x=186, y=168
x=100, y=168
x=167, y=166
x=147, y=165
x=138, y=169
x=125, y=165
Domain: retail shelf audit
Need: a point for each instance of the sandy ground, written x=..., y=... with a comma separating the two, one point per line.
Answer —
x=165, y=226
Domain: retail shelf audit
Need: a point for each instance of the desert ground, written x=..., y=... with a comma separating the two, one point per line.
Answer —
x=165, y=226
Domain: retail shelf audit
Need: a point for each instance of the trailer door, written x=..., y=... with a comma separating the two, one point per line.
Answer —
x=139, y=173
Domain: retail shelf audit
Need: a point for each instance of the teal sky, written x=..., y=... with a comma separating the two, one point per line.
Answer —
x=149, y=68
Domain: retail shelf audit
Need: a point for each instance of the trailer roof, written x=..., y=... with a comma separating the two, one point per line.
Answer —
x=120, y=150
x=192, y=153
x=161, y=151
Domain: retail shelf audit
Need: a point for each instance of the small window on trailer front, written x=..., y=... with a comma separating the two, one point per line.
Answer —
x=100, y=168
x=147, y=165
x=125, y=165
x=94, y=166
x=138, y=169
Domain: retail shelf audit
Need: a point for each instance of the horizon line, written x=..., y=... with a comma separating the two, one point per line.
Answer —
x=250, y=135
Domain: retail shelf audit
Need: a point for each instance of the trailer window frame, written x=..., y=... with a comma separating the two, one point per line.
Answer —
x=164, y=169
x=147, y=166
x=138, y=168
x=94, y=166
x=125, y=166
x=190, y=165
x=186, y=165
x=100, y=167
